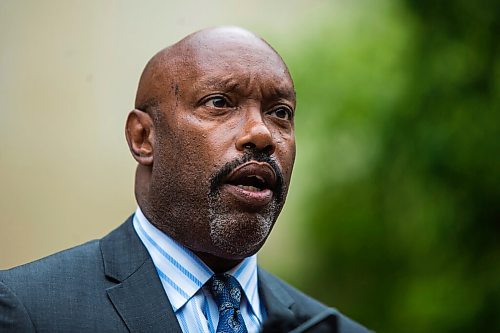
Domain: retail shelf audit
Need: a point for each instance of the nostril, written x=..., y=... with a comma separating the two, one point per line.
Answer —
x=269, y=150
x=249, y=145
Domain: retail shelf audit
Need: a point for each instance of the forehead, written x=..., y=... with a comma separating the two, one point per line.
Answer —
x=231, y=63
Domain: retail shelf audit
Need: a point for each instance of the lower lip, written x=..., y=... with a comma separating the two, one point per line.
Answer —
x=250, y=198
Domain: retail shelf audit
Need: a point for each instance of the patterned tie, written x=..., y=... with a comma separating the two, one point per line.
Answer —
x=227, y=294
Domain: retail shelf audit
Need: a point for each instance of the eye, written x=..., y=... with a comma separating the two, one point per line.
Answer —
x=217, y=102
x=282, y=112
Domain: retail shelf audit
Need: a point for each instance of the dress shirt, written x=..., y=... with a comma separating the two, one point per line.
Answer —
x=184, y=276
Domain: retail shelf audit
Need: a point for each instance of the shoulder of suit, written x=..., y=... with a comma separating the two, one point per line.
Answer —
x=307, y=306
x=57, y=264
x=80, y=259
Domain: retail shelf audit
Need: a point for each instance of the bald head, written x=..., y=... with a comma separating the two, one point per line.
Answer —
x=177, y=63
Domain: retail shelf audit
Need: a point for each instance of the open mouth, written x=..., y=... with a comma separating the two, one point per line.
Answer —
x=253, y=176
x=252, y=183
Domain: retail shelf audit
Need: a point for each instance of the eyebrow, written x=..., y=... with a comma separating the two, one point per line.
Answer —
x=284, y=93
x=229, y=84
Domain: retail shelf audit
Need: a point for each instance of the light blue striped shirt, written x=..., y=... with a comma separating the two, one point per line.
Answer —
x=184, y=275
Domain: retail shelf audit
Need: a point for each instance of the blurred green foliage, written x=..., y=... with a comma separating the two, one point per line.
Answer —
x=398, y=126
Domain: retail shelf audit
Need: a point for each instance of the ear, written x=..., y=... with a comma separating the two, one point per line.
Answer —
x=140, y=136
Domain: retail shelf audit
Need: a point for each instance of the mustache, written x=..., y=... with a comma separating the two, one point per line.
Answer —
x=249, y=155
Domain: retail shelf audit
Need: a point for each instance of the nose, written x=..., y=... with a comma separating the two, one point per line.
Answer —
x=255, y=135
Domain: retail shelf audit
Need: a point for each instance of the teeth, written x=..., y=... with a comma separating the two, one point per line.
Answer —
x=249, y=188
x=257, y=177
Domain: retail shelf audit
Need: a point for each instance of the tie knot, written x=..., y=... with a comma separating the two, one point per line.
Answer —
x=226, y=291
x=227, y=295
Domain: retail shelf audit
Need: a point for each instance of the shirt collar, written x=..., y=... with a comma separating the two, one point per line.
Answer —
x=182, y=273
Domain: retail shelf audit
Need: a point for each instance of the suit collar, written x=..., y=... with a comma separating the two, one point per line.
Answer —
x=278, y=303
x=122, y=252
x=138, y=296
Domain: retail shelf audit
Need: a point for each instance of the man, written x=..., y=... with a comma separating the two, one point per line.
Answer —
x=213, y=135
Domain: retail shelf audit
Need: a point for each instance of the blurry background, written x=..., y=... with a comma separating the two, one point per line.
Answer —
x=394, y=212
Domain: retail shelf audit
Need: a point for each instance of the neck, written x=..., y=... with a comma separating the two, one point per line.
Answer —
x=217, y=264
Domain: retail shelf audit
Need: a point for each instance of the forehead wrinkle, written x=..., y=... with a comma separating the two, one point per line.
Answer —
x=229, y=84
x=224, y=83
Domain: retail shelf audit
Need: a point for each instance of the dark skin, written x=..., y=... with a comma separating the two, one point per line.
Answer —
x=213, y=134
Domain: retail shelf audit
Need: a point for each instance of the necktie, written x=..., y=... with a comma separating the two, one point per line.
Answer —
x=227, y=295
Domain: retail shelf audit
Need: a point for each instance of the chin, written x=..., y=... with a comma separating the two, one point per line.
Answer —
x=240, y=235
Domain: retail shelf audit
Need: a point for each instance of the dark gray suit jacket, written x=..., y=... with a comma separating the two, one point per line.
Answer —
x=111, y=285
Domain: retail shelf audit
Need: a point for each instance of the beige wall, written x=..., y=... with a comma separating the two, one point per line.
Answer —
x=68, y=73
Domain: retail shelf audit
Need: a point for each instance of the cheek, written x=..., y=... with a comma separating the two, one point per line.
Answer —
x=176, y=156
x=285, y=153
x=219, y=145
x=202, y=154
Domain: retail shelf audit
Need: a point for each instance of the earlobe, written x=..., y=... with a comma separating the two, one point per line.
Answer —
x=139, y=131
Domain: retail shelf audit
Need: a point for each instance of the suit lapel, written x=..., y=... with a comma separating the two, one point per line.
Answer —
x=138, y=296
x=142, y=303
